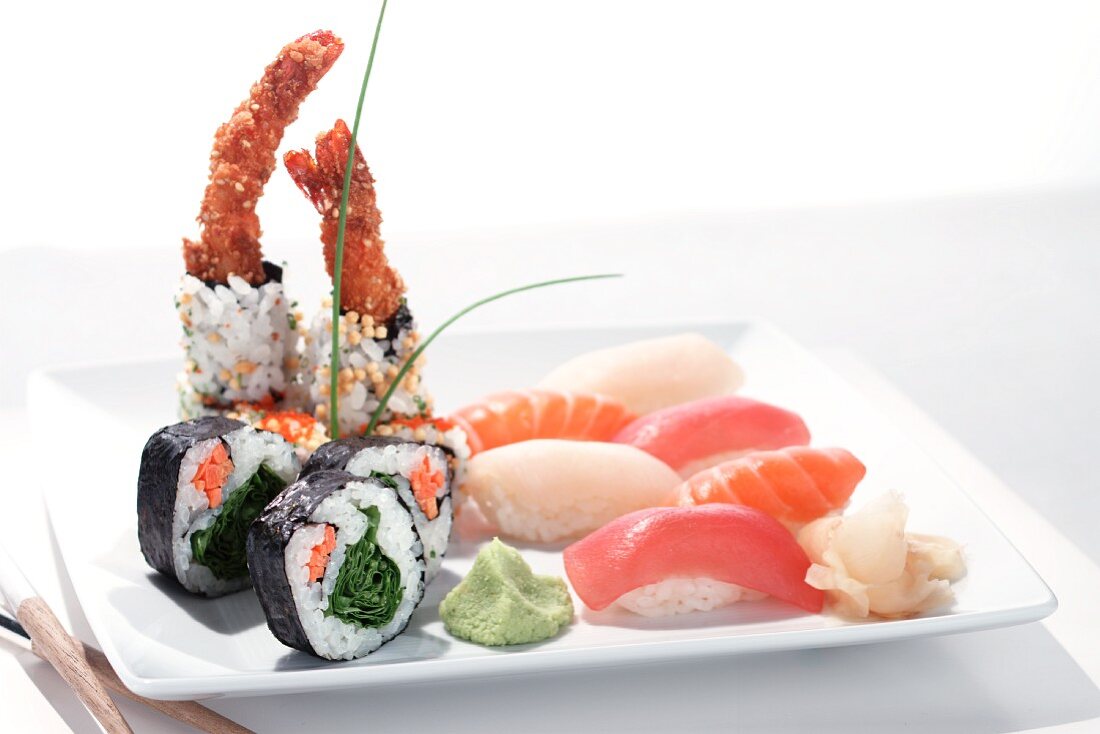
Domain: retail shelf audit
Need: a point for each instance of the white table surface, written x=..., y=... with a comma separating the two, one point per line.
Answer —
x=983, y=310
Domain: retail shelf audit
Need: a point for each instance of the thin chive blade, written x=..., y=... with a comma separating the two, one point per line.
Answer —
x=475, y=305
x=338, y=265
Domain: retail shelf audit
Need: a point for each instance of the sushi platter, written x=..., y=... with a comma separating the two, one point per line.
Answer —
x=317, y=510
x=167, y=643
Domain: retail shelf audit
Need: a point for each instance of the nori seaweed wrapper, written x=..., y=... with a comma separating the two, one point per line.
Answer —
x=337, y=454
x=402, y=319
x=266, y=546
x=272, y=274
x=158, y=478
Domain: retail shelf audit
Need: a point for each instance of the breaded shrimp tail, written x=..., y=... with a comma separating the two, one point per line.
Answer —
x=369, y=285
x=244, y=158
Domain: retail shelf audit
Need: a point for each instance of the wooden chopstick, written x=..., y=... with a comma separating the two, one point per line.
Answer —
x=188, y=712
x=51, y=642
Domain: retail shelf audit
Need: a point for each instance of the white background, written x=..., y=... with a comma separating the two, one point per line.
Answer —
x=490, y=113
x=918, y=184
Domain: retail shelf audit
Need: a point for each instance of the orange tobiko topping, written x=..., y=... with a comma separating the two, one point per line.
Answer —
x=291, y=425
x=440, y=424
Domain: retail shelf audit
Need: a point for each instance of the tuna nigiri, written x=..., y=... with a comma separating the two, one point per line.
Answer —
x=713, y=546
x=697, y=435
x=651, y=374
x=793, y=485
x=548, y=490
x=521, y=415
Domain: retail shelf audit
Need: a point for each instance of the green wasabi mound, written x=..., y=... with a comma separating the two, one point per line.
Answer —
x=501, y=602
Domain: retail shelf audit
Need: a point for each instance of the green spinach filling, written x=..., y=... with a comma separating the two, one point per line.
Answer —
x=368, y=587
x=386, y=480
x=220, y=547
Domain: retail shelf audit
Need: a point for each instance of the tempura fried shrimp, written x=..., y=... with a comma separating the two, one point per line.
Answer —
x=369, y=285
x=244, y=158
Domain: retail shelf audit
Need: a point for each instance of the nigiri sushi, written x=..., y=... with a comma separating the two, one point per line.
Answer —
x=697, y=435
x=867, y=564
x=721, y=551
x=651, y=374
x=521, y=415
x=793, y=485
x=547, y=490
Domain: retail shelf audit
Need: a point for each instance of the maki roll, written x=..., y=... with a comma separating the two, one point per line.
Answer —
x=337, y=565
x=200, y=484
x=419, y=473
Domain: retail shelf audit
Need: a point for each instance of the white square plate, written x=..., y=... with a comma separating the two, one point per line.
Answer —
x=91, y=423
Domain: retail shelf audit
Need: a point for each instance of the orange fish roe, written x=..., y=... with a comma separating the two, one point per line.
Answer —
x=263, y=405
x=318, y=559
x=212, y=473
x=425, y=483
x=291, y=425
x=440, y=424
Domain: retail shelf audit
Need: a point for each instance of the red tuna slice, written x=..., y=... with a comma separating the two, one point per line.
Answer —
x=730, y=543
x=697, y=435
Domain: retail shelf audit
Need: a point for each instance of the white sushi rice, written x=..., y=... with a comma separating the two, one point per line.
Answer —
x=248, y=449
x=681, y=596
x=238, y=343
x=329, y=636
x=367, y=370
x=400, y=461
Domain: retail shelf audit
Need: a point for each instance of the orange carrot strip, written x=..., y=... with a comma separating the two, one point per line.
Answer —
x=425, y=483
x=211, y=475
x=318, y=559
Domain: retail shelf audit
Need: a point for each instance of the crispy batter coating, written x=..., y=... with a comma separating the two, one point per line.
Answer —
x=369, y=285
x=244, y=158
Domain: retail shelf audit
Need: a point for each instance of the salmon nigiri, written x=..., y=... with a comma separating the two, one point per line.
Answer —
x=651, y=374
x=522, y=415
x=665, y=560
x=794, y=485
x=548, y=490
x=697, y=435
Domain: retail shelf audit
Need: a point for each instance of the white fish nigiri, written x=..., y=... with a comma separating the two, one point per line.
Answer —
x=651, y=374
x=548, y=490
x=867, y=564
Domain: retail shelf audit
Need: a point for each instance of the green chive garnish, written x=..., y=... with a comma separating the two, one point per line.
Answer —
x=338, y=266
x=477, y=304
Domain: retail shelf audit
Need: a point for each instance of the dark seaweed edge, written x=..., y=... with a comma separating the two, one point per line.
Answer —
x=402, y=319
x=158, y=477
x=335, y=455
x=272, y=274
